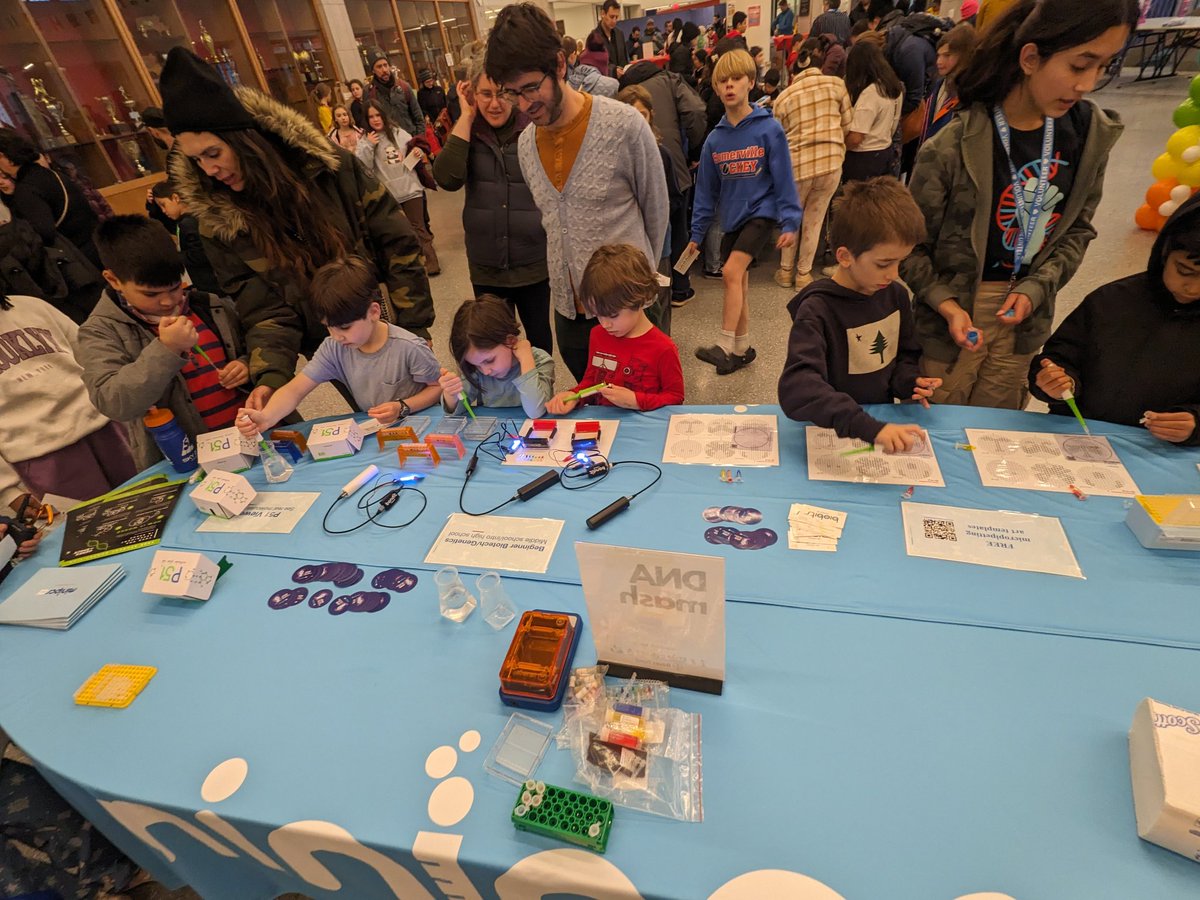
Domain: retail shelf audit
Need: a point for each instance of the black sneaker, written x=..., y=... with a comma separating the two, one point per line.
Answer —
x=717, y=274
x=746, y=358
x=683, y=299
x=725, y=363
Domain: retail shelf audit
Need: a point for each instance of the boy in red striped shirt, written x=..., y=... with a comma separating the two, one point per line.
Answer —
x=153, y=341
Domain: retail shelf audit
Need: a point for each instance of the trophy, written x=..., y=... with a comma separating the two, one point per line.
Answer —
x=115, y=125
x=209, y=43
x=129, y=104
x=134, y=154
x=54, y=109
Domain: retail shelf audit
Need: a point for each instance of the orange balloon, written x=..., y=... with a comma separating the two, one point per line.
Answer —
x=1148, y=218
x=1160, y=192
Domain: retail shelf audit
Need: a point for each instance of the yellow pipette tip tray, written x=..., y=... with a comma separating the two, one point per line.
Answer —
x=114, y=685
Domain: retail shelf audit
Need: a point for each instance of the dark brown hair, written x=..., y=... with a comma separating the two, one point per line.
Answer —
x=959, y=40
x=1051, y=25
x=283, y=219
x=873, y=212
x=617, y=277
x=482, y=323
x=866, y=65
x=342, y=291
x=135, y=248
x=522, y=40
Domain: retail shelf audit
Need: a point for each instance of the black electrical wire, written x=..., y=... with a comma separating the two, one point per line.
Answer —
x=368, y=502
x=576, y=469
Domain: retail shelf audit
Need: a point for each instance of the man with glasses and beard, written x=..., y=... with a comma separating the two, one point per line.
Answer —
x=592, y=164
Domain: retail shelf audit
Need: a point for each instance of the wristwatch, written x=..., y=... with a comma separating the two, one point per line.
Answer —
x=404, y=410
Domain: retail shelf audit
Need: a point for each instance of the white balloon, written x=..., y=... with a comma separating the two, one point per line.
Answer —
x=1165, y=209
x=1191, y=154
x=1181, y=192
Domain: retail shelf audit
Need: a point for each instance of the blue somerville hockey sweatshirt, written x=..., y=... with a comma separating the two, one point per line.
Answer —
x=746, y=173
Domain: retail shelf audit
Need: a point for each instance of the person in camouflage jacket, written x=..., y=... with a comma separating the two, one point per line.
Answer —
x=1025, y=129
x=952, y=184
x=273, y=305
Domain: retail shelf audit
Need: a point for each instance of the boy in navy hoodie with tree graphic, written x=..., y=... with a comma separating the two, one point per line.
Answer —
x=746, y=174
x=852, y=339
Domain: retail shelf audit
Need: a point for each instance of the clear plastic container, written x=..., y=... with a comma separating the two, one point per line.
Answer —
x=497, y=608
x=275, y=467
x=455, y=602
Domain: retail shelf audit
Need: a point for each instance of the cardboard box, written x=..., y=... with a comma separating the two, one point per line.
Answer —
x=175, y=573
x=1166, y=521
x=333, y=440
x=226, y=450
x=1164, y=761
x=223, y=494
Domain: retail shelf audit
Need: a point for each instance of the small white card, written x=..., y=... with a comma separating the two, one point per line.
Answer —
x=686, y=258
x=496, y=542
x=816, y=520
x=413, y=159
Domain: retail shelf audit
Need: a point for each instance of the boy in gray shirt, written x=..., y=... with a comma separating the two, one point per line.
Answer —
x=390, y=372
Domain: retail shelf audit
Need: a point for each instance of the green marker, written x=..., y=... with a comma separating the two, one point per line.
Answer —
x=1069, y=398
x=462, y=395
x=870, y=448
x=588, y=391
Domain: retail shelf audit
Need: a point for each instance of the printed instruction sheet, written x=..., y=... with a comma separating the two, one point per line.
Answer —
x=831, y=458
x=1034, y=461
x=712, y=439
x=496, y=542
x=559, y=450
x=988, y=537
x=270, y=512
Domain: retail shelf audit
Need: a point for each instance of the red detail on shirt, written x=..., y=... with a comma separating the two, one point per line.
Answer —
x=218, y=406
x=648, y=365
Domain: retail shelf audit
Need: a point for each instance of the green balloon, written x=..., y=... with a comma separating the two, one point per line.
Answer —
x=1186, y=113
x=1194, y=88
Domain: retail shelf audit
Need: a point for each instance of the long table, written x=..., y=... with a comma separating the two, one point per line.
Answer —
x=884, y=754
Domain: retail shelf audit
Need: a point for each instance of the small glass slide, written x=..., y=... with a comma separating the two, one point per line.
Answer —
x=455, y=602
x=497, y=608
x=519, y=750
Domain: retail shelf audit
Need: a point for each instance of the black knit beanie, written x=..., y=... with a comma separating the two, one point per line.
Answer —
x=196, y=99
x=691, y=31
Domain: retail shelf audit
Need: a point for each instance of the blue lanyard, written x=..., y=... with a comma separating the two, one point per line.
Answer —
x=1025, y=231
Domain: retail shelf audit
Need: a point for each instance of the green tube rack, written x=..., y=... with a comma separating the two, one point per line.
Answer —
x=563, y=814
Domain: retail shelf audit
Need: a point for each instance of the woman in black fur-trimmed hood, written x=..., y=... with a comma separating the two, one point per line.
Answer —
x=275, y=201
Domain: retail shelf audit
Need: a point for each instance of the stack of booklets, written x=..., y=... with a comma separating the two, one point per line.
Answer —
x=56, y=598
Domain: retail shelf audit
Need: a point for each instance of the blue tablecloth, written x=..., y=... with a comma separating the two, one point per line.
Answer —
x=882, y=758
x=879, y=757
x=1131, y=593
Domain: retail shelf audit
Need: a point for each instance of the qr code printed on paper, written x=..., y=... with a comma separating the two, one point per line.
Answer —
x=940, y=530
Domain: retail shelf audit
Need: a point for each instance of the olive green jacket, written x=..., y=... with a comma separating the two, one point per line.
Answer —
x=952, y=184
x=273, y=304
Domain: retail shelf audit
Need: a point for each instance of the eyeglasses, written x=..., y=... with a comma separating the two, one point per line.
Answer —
x=529, y=92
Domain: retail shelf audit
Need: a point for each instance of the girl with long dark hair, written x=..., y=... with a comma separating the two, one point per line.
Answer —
x=1009, y=188
x=877, y=93
x=276, y=200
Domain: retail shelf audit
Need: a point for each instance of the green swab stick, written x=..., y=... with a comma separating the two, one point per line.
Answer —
x=197, y=349
x=870, y=448
x=1069, y=397
x=462, y=395
x=588, y=391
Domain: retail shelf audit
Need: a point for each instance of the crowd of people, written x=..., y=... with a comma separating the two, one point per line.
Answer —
x=929, y=187
x=928, y=194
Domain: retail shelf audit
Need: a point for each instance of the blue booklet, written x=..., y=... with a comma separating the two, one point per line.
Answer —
x=56, y=598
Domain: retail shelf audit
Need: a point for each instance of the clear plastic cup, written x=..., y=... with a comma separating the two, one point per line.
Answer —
x=455, y=602
x=497, y=608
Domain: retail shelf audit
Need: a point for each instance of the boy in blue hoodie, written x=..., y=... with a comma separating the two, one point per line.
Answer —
x=746, y=174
